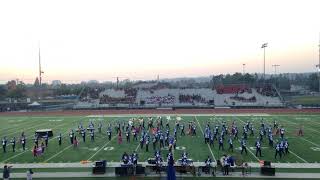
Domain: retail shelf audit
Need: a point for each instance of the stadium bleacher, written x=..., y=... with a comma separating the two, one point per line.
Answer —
x=220, y=96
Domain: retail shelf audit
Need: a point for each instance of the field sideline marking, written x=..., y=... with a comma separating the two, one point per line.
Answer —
x=207, y=143
x=58, y=153
x=102, y=148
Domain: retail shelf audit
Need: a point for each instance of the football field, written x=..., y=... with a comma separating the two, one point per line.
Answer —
x=304, y=149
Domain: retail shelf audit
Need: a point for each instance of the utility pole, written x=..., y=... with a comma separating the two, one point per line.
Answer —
x=319, y=64
x=243, y=68
x=275, y=73
x=117, y=82
x=40, y=70
x=40, y=74
x=275, y=68
x=264, y=45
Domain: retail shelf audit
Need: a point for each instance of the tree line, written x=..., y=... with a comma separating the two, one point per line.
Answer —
x=18, y=90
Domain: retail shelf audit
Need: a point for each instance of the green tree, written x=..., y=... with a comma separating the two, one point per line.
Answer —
x=3, y=91
x=313, y=82
x=18, y=92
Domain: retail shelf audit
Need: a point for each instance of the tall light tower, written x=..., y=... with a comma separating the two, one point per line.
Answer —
x=319, y=64
x=40, y=70
x=275, y=68
x=275, y=73
x=243, y=68
x=264, y=45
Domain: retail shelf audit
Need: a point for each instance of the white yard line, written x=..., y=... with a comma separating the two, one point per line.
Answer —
x=137, y=147
x=314, y=122
x=214, y=158
x=52, y=128
x=311, y=129
x=290, y=150
x=298, y=156
x=303, y=137
x=4, y=161
x=240, y=141
x=250, y=152
x=310, y=141
x=102, y=148
x=26, y=129
x=58, y=153
x=25, y=121
x=248, y=148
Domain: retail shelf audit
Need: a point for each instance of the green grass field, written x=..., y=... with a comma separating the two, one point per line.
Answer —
x=305, y=100
x=303, y=149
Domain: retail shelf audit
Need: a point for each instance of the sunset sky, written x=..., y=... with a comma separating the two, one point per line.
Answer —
x=83, y=40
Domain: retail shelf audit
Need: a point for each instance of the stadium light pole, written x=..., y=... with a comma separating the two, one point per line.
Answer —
x=243, y=68
x=275, y=73
x=275, y=68
x=318, y=68
x=40, y=69
x=319, y=65
x=264, y=45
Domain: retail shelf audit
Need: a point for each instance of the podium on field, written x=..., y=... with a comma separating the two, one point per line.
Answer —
x=44, y=132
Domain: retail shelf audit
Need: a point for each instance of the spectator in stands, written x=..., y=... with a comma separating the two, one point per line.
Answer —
x=195, y=98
